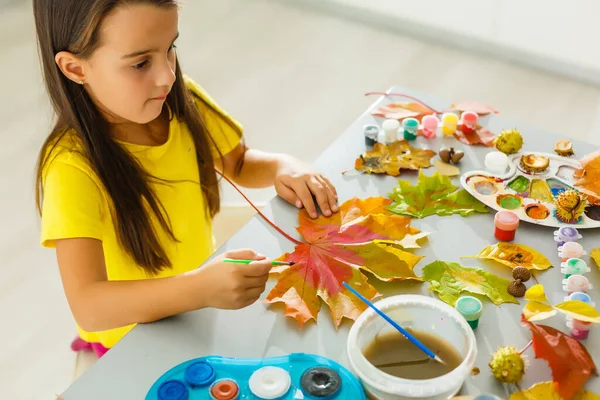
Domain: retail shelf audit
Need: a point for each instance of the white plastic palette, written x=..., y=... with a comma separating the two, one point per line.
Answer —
x=512, y=190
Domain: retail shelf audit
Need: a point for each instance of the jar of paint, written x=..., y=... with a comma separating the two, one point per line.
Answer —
x=411, y=128
x=580, y=330
x=470, y=308
x=371, y=133
x=584, y=297
x=566, y=234
x=469, y=121
x=496, y=162
x=506, y=223
x=574, y=266
x=390, y=129
x=576, y=283
x=571, y=250
x=430, y=125
x=449, y=123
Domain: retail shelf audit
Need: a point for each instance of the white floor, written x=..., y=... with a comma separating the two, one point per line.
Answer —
x=295, y=77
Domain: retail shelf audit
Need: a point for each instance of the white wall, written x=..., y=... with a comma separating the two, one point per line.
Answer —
x=557, y=35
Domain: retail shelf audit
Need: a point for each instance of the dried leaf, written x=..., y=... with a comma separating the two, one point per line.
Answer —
x=400, y=111
x=545, y=391
x=363, y=236
x=514, y=255
x=478, y=108
x=480, y=136
x=433, y=195
x=536, y=293
x=536, y=311
x=570, y=362
x=595, y=255
x=579, y=310
x=393, y=158
x=588, y=177
x=446, y=169
x=449, y=280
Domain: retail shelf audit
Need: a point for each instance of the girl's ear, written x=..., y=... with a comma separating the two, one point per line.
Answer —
x=71, y=66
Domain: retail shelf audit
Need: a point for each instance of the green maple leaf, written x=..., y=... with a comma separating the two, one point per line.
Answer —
x=433, y=195
x=449, y=280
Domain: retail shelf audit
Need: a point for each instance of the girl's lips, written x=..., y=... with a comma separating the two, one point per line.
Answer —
x=159, y=97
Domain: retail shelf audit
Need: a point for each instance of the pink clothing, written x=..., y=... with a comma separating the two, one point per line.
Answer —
x=78, y=344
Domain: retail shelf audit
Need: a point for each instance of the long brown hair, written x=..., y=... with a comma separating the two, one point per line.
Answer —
x=73, y=25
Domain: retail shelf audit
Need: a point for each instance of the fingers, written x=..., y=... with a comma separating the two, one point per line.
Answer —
x=252, y=295
x=257, y=269
x=330, y=185
x=305, y=195
x=329, y=192
x=288, y=194
x=243, y=254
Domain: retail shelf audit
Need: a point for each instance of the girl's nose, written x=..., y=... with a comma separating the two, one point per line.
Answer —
x=165, y=75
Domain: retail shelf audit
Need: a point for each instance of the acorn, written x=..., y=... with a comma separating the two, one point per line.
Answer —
x=451, y=156
x=521, y=273
x=457, y=156
x=516, y=288
x=445, y=154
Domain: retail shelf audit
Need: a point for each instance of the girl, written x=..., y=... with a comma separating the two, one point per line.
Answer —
x=126, y=181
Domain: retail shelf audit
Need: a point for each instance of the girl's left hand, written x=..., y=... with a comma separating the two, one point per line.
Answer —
x=300, y=185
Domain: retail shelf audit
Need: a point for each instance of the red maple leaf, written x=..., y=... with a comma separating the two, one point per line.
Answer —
x=479, y=136
x=363, y=236
x=569, y=360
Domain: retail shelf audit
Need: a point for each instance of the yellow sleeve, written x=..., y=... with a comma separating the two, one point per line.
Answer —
x=224, y=129
x=71, y=205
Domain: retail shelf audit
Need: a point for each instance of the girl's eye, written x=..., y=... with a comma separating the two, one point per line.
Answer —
x=173, y=47
x=141, y=65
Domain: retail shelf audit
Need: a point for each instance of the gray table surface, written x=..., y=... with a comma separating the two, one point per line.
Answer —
x=129, y=369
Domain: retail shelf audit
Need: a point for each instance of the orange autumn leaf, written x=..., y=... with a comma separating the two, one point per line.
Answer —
x=400, y=111
x=478, y=108
x=588, y=177
x=569, y=360
x=393, y=158
x=480, y=136
x=362, y=236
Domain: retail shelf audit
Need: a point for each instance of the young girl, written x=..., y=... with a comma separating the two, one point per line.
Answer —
x=126, y=181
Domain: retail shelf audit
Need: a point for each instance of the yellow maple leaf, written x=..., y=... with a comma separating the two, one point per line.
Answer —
x=514, y=255
x=595, y=254
x=545, y=391
x=579, y=310
x=536, y=293
x=536, y=311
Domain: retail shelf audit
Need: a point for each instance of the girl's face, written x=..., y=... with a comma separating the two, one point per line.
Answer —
x=133, y=69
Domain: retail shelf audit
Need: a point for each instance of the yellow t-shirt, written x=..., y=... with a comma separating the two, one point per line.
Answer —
x=75, y=203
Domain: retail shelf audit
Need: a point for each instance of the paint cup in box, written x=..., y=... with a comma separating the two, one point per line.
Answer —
x=411, y=127
x=570, y=250
x=580, y=330
x=496, y=162
x=430, y=125
x=584, y=297
x=566, y=234
x=470, y=308
x=574, y=266
x=449, y=123
x=390, y=130
x=576, y=283
x=506, y=224
x=469, y=121
x=371, y=133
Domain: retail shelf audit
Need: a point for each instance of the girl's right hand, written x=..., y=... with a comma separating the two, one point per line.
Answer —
x=234, y=286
